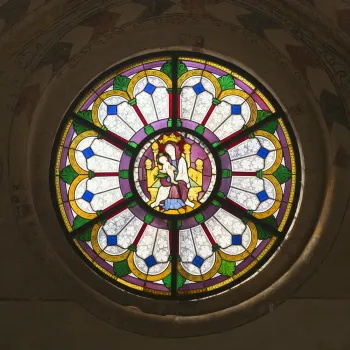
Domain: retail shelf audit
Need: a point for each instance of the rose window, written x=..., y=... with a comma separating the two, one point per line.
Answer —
x=175, y=175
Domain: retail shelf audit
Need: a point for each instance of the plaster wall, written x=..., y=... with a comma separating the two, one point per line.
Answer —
x=300, y=49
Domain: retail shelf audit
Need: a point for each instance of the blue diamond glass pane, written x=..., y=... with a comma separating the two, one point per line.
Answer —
x=263, y=152
x=198, y=88
x=88, y=196
x=112, y=110
x=236, y=109
x=262, y=196
x=198, y=261
x=149, y=88
x=88, y=152
x=236, y=240
x=150, y=261
x=111, y=240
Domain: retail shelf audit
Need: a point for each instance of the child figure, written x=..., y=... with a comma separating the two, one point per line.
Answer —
x=169, y=193
x=167, y=168
x=173, y=191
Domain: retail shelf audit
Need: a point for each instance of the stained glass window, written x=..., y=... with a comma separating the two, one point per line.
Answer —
x=175, y=175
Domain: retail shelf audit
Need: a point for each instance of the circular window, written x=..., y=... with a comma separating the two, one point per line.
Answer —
x=175, y=175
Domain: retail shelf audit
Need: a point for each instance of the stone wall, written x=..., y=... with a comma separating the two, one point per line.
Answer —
x=51, y=48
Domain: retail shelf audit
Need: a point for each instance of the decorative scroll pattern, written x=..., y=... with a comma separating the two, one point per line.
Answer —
x=175, y=176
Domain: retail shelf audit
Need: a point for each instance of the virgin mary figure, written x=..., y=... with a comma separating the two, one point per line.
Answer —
x=173, y=192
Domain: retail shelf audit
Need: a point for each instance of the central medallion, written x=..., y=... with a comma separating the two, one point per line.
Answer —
x=175, y=173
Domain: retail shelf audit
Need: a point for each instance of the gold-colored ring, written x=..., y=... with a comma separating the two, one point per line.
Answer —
x=205, y=62
x=267, y=102
x=57, y=178
x=65, y=218
x=243, y=80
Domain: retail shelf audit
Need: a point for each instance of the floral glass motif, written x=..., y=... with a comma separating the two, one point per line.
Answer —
x=175, y=175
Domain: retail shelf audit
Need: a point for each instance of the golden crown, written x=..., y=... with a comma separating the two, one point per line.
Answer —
x=171, y=137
